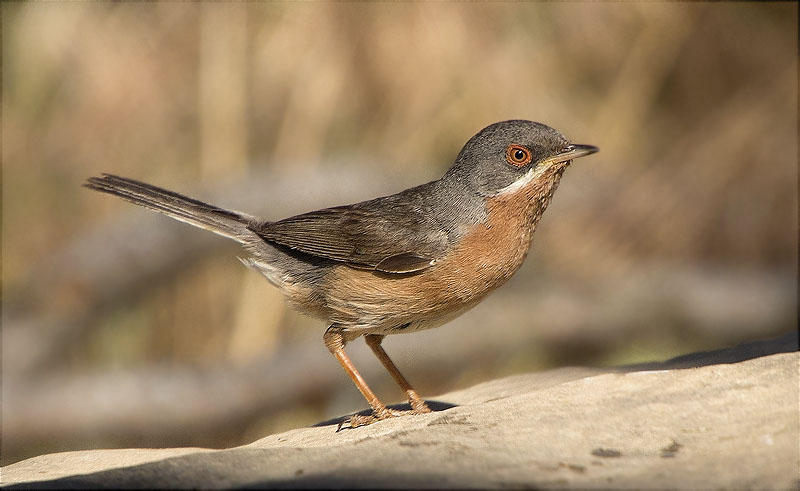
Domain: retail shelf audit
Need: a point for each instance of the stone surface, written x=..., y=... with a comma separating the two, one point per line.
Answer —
x=726, y=419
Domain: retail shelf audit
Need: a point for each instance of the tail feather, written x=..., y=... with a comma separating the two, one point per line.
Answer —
x=227, y=223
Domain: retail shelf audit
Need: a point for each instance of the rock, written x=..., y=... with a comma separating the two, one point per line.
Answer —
x=726, y=419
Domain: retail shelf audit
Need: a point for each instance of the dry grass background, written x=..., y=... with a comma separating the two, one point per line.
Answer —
x=685, y=220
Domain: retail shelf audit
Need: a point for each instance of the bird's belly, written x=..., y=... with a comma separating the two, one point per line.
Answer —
x=394, y=306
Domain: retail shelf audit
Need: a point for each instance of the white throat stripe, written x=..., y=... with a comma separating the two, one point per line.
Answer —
x=525, y=179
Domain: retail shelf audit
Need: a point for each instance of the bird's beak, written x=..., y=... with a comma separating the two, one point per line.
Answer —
x=573, y=151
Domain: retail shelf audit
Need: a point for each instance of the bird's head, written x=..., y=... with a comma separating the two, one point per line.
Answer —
x=507, y=156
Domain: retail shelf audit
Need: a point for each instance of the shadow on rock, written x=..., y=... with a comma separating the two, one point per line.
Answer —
x=787, y=343
x=241, y=469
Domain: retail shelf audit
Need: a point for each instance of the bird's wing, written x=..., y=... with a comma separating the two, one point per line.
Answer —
x=386, y=234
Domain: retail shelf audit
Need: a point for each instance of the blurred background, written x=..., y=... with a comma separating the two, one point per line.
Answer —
x=125, y=328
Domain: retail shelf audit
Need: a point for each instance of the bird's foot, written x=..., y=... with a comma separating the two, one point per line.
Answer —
x=357, y=420
x=385, y=413
x=418, y=406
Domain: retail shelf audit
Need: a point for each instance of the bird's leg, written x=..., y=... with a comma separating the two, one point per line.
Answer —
x=418, y=406
x=335, y=342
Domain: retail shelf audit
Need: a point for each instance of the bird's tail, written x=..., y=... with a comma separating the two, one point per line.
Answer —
x=227, y=223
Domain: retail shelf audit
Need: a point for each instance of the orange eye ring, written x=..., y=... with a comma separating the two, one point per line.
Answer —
x=518, y=156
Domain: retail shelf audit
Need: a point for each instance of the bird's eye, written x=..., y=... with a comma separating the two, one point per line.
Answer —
x=518, y=156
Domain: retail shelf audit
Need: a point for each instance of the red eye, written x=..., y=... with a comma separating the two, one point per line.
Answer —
x=518, y=156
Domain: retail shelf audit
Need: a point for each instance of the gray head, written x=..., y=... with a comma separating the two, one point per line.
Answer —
x=509, y=152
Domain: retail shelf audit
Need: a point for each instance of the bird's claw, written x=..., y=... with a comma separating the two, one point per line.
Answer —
x=418, y=406
x=357, y=420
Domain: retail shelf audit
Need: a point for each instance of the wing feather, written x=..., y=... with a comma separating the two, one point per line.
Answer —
x=386, y=234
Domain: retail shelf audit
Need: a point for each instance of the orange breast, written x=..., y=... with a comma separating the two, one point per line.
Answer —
x=372, y=302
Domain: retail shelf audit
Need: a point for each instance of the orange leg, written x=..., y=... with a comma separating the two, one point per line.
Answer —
x=335, y=342
x=417, y=404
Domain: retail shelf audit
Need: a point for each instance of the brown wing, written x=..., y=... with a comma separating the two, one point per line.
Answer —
x=387, y=234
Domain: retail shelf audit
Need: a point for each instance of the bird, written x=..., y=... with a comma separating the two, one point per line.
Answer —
x=401, y=263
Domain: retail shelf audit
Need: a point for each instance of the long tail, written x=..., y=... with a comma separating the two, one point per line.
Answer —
x=227, y=223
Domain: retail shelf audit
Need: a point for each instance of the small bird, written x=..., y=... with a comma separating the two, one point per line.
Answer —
x=400, y=263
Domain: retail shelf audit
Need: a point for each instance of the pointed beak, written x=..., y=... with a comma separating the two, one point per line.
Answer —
x=574, y=151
